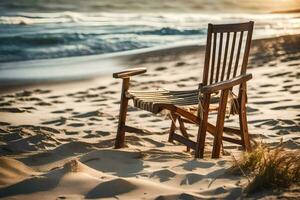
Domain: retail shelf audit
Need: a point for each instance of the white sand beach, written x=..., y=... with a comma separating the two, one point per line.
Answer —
x=56, y=140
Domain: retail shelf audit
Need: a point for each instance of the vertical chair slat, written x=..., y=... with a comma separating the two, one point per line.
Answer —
x=247, y=48
x=225, y=56
x=213, y=58
x=219, y=57
x=231, y=55
x=238, y=54
x=207, y=54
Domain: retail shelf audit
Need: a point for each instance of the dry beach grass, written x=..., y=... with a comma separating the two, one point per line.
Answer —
x=267, y=168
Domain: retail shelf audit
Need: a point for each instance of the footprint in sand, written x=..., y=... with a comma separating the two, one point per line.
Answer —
x=40, y=91
x=160, y=68
x=98, y=100
x=57, y=102
x=29, y=99
x=63, y=111
x=268, y=85
x=57, y=122
x=71, y=132
x=54, y=97
x=12, y=110
x=43, y=104
x=5, y=104
x=179, y=64
x=181, y=85
x=286, y=107
x=102, y=133
x=144, y=115
x=76, y=124
x=264, y=102
x=110, y=92
x=91, y=136
x=92, y=95
x=70, y=95
x=88, y=114
x=4, y=123
x=95, y=119
x=101, y=87
x=37, y=139
x=24, y=93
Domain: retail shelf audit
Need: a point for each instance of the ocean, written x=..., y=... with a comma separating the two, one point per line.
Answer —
x=28, y=36
x=41, y=29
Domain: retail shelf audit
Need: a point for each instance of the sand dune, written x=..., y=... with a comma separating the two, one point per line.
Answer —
x=56, y=141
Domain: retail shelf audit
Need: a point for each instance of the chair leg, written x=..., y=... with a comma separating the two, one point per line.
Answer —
x=173, y=126
x=183, y=131
x=243, y=121
x=120, y=139
x=202, y=128
x=220, y=124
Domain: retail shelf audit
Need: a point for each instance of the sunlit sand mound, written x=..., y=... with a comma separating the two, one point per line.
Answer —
x=81, y=181
x=12, y=171
x=72, y=178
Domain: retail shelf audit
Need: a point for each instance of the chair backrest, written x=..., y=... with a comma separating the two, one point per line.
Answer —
x=225, y=44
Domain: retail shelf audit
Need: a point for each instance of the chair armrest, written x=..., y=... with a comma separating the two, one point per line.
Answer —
x=129, y=72
x=226, y=84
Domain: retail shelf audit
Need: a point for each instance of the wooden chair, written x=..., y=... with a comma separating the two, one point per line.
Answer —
x=222, y=71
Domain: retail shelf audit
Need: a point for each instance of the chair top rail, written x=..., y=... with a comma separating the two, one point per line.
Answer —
x=238, y=27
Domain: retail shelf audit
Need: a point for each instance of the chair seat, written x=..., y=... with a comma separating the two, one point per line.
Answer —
x=155, y=101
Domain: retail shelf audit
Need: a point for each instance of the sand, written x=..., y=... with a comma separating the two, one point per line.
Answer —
x=56, y=141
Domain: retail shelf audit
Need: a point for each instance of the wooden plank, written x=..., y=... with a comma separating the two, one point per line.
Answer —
x=129, y=72
x=225, y=56
x=220, y=124
x=213, y=59
x=120, y=138
x=163, y=93
x=231, y=55
x=243, y=119
x=183, y=131
x=226, y=84
x=219, y=57
x=202, y=128
x=173, y=127
x=181, y=112
x=212, y=130
x=218, y=28
x=238, y=54
x=207, y=54
x=247, y=48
